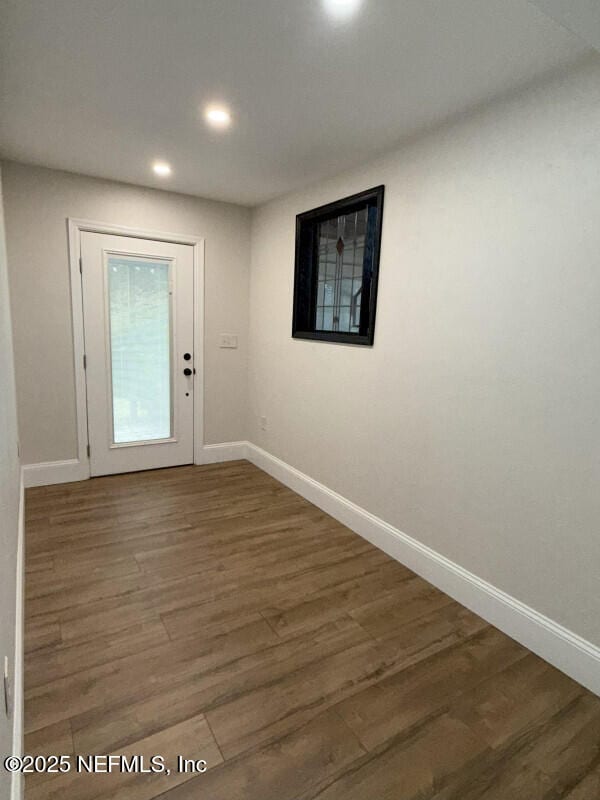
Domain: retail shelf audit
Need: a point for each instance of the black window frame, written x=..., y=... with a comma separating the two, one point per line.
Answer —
x=306, y=270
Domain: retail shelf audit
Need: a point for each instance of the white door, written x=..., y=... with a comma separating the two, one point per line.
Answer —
x=138, y=310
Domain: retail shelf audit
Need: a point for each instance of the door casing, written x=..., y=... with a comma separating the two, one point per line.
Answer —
x=75, y=228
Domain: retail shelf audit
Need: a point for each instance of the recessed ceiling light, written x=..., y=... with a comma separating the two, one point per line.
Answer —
x=217, y=116
x=342, y=9
x=161, y=168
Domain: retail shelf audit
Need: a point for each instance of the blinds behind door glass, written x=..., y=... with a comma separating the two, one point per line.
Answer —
x=140, y=348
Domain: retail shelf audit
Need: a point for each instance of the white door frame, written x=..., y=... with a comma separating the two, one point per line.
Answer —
x=75, y=228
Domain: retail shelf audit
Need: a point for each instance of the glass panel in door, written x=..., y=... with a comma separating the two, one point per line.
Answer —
x=140, y=331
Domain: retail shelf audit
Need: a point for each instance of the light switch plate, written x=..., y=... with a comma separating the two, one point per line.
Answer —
x=228, y=340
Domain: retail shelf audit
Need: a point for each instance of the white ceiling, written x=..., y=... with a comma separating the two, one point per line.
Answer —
x=580, y=16
x=103, y=87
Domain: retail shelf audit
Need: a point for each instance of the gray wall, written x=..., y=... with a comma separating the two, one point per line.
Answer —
x=9, y=502
x=473, y=424
x=37, y=204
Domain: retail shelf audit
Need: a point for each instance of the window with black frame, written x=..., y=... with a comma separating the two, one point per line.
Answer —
x=337, y=264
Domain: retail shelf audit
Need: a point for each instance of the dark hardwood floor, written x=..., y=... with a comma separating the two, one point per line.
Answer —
x=211, y=612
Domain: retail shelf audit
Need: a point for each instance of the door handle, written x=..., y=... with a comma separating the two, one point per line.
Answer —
x=187, y=356
x=187, y=372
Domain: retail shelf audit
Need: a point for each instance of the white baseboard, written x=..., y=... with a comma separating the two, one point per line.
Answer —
x=49, y=472
x=562, y=648
x=17, y=786
x=226, y=451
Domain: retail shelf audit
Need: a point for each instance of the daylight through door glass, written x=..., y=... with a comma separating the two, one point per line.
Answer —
x=140, y=348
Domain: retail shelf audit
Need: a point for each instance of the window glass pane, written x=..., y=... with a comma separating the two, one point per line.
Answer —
x=340, y=269
x=355, y=307
x=326, y=268
x=140, y=348
x=320, y=293
x=344, y=323
x=328, y=319
x=319, y=320
x=348, y=268
x=359, y=262
x=346, y=292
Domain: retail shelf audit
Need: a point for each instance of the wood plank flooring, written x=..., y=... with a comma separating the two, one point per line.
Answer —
x=212, y=613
